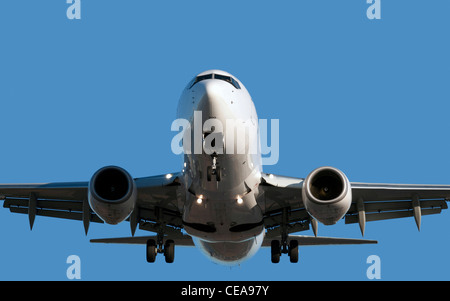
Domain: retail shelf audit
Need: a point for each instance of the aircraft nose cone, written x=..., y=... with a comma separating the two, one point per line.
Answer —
x=209, y=89
x=210, y=96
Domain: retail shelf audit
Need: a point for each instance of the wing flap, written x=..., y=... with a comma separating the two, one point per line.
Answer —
x=352, y=219
x=48, y=204
x=371, y=207
x=320, y=241
x=72, y=210
x=179, y=240
x=58, y=214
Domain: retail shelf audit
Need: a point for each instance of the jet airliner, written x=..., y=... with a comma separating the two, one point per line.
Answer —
x=221, y=201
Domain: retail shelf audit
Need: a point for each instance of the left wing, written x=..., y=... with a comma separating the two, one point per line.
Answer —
x=370, y=202
x=156, y=206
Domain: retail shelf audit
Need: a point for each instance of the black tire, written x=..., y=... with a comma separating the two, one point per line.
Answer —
x=208, y=173
x=151, y=250
x=293, y=251
x=275, y=251
x=169, y=251
x=218, y=174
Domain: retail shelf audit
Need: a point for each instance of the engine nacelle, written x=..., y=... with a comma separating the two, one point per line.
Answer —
x=327, y=194
x=112, y=194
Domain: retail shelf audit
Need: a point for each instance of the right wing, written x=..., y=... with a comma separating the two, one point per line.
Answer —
x=283, y=203
x=59, y=200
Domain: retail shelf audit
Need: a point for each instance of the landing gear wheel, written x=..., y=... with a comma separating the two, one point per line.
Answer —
x=275, y=251
x=209, y=173
x=169, y=251
x=151, y=250
x=293, y=251
x=218, y=174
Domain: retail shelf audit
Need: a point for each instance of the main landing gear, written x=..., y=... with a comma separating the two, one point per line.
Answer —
x=168, y=250
x=276, y=250
x=285, y=246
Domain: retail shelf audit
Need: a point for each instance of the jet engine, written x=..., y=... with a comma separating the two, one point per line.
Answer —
x=327, y=194
x=112, y=194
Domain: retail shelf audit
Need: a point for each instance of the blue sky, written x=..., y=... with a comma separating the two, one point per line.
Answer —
x=368, y=97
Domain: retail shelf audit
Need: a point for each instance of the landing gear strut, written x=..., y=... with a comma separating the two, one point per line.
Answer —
x=168, y=250
x=214, y=170
x=283, y=247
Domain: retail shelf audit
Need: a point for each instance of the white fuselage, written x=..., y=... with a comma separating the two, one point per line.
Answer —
x=221, y=175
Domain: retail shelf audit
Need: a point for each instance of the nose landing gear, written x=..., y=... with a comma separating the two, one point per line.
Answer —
x=213, y=170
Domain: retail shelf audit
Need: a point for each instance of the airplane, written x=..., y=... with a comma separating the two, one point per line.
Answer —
x=221, y=201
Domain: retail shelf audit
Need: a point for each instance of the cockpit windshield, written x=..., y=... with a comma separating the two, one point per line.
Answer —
x=226, y=78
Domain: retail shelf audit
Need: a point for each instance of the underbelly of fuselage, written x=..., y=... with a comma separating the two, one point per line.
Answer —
x=230, y=253
x=222, y=208
x=222, y=214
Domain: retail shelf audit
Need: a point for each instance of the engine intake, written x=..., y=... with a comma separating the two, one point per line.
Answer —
x=327, y=194
x=112, y=194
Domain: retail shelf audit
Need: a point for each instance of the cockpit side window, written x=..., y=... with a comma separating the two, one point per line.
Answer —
x=235, y=83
